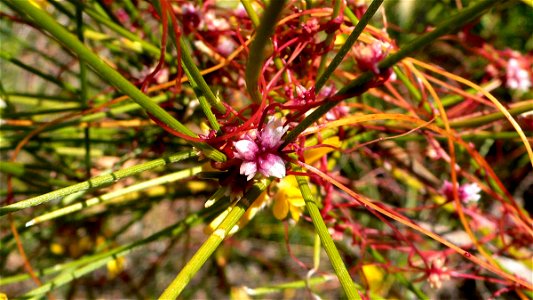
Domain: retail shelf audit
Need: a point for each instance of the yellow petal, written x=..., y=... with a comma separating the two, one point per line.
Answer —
x=296, y=212
x=57, y=248
x=374, y=276
x=312, y=155
x=297, y=201
x=115, y=267
x=281, y=208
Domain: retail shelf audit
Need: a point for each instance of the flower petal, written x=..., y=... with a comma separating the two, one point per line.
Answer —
x=245, y=149
x=272, y=133
x=296, y=212
x=470, y=192
x=248, y=169
x=272, y=165
x=280, y=208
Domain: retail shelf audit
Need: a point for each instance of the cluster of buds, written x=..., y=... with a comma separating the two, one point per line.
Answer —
x=438, y=273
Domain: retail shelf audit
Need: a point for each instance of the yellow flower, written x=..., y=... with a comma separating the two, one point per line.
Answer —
x=288, y=198
x=115, y=267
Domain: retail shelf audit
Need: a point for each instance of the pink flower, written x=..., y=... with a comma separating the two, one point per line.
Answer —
x=225, y=45
x=369, y=56
x=337, y=112
x=467, y=192
x=258, y=151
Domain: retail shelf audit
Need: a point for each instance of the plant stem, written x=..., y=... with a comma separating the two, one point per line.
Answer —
x=115, y=194
x=83, y=89
x=257, y=48
x=96, y=182
x=348, y=44
x=107, y=73
x=148, y=47
x=211, y=244
x=325, y=237
x=518, y=108
x=260, y=291
x=251, y=12
x=330, y=37
x=197, y=78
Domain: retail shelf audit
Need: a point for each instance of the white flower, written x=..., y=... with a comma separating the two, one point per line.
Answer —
x=470, y=192
x=517, y=77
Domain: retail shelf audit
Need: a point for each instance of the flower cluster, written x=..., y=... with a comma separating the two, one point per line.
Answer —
x=438, y=273
x=259, y=151
x=517, y=77
x=467, y=192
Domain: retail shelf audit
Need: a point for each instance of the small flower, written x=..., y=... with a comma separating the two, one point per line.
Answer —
x=215, y=24
x=470, y=192
x=225, y=45
x=438, y=273
x=467, y=192
x=517, y=77
x=240, y=11
x=369, y=56
x=337, y=112
x=258, y=151
x=191, y=16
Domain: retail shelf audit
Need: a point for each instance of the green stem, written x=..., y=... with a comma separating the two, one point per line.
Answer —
x=518, y=108
x=350, y=15
x=45, y=21
x=47, y=77
x=325, y=237
x=83, y=89
x=348, y=44
x=211, y=244
x=197, y=78
x=251, y=12
x=260, y=291
x=201, y=88
x=204, y=104
x=413, y=90
x=148, y=47
x=330, y=37
x=257, y=48
x=115, y=194
x=95, y=182
x=255, y=21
